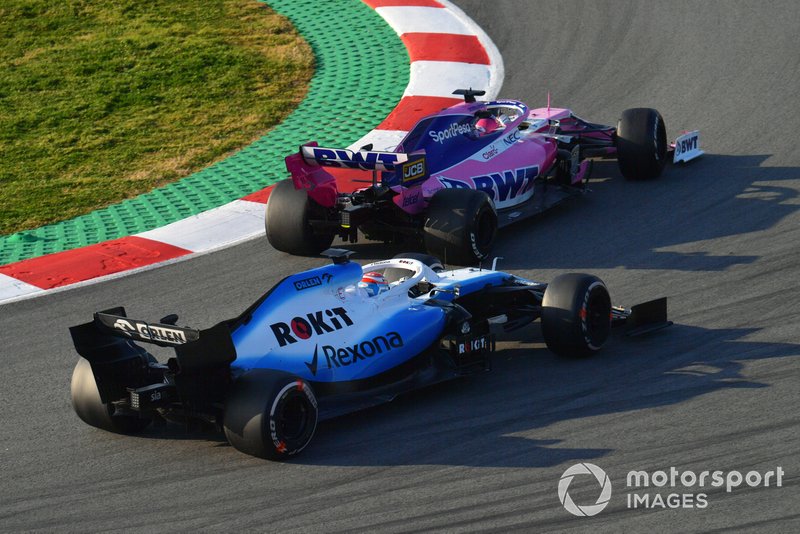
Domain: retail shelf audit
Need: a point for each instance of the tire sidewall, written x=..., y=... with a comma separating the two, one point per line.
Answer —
x=641, y=143
x=576, y=315
x=296, y=390
x=460, y=226
x=254, y=409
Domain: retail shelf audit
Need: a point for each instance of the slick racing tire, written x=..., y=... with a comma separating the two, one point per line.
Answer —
x=287, y=221
x=576, y=315
x=92, y=411
x=641, y=144
x=460, y=226
x=270, y=414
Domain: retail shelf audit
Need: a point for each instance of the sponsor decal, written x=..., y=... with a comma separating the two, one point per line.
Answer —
x=312, y=281
x=512, y=138
x=413, y=170
x=686, y=145
x=336, y=357
x=409, y=200
x=492, y=152
x=473, y=345
x=355, y=160
x=315, y=323
x=156, y=333
x=451, y=131
x=500, y=186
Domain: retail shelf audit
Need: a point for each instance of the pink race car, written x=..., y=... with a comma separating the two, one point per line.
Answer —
x=461, y=174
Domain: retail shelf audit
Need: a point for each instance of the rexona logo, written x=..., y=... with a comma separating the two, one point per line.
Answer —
x=302, y=328
x=156, y=333
x=590, y=509
x=353, y=354
x=451, y=131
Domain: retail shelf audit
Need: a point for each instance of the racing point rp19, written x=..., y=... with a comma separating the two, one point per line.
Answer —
x=318, y=345
x=461, y=174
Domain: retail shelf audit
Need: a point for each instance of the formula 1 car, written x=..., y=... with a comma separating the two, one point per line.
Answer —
x=318, y=345
x=459, y=175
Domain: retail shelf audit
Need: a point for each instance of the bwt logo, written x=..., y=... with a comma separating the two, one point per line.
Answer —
x=302, y=328
x=686, y=145
x=355, y=160
x=590, y=509
x=500, y=186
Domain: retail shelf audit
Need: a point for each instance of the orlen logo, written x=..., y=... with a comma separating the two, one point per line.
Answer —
x=302, y=328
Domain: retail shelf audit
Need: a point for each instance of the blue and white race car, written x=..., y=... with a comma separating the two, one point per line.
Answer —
x=330, y=341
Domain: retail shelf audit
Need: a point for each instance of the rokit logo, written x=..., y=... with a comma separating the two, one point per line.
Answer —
x=302, y=328
x=353, y=354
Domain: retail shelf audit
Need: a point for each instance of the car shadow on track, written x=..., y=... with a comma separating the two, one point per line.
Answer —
x=636, y=224
x=511, y=417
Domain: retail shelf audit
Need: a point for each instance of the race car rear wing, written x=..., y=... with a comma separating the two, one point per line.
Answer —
x=305, y=166
x=367, y=160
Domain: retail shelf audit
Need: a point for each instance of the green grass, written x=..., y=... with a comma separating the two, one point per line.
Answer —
x=103, y=100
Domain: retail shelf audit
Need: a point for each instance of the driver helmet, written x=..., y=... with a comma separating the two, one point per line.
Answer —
x=374, y=283
x=487, y=125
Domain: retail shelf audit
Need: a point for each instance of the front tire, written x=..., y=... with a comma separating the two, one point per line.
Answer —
x=576, y=315
x=460, y=226
x=641, y=144
x=270, y=414
x=289, y=211
x=92, y=411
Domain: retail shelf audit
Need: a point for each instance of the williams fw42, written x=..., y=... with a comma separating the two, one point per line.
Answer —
x=461, y=174
x=321, y=343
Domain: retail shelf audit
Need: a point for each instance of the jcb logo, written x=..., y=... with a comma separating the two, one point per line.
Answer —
x=413, y=170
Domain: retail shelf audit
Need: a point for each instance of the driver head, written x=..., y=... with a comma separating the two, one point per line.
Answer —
x=374, y=283
x=486, y=125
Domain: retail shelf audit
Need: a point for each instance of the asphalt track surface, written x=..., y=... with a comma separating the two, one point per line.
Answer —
x=720, y=237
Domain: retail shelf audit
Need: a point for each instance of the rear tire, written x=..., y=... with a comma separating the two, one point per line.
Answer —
x=641, y=144
x=576, y=315
x=92, y=411
x=287, y=221
x=460, y=226
x=270, y=414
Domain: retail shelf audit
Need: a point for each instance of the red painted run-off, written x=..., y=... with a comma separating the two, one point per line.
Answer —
x=445, y=47
x=412, y=108
x=102, y=259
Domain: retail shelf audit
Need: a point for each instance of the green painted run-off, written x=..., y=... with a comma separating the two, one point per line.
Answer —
x=361, y=72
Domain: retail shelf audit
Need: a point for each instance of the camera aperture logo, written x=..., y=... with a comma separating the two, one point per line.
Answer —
x=589, y=509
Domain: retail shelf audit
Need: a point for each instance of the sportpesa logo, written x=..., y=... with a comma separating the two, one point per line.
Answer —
x=584, y=469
